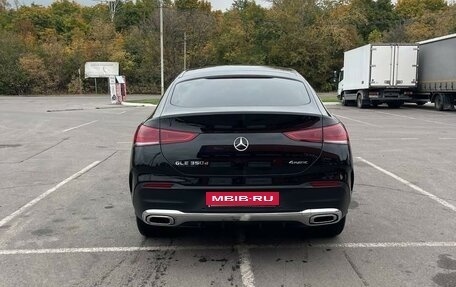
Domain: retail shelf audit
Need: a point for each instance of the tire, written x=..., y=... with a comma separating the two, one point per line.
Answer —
x=359, y=102
x=420, y=103
x=343, y=101
x=331, y=230
x=438, y=102
x=148, y=231
x=394, y=105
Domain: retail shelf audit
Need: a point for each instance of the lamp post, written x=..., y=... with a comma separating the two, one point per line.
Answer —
x=185, y=51
x=161, y=50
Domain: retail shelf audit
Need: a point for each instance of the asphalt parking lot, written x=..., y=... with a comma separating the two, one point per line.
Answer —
x=66, y=218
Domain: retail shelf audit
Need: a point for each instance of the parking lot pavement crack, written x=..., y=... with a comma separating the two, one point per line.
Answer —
x=29, y=185
x=105, y=276
x=65, y=110
x=405, y=190
x=108, y=157
x=44, y=150
x=162, y=260
x=355, y=268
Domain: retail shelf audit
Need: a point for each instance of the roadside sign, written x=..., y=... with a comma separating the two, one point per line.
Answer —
x=101, y=69
x=113, y=90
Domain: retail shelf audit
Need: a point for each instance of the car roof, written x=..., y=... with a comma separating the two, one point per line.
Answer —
x=240, y=71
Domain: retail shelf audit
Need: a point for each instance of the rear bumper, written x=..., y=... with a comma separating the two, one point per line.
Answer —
x=309, y=217
x=185, y=205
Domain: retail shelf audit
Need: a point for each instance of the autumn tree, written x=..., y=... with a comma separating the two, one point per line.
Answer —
x=12, y=77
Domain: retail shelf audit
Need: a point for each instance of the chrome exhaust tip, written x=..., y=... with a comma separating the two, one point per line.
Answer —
x=321, y=219
x=159, y=220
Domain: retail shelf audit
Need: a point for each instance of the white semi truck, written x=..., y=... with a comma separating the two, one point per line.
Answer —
x=379, y=73
x=437, y=71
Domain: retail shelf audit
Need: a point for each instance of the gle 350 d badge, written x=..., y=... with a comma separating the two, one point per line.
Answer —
x=191, y=163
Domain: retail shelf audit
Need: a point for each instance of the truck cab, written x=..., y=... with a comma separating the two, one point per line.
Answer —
x=340, y=85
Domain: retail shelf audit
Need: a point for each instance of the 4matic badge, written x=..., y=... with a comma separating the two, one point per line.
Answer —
x=298, y=162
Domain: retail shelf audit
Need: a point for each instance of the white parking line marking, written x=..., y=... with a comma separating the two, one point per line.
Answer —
x=361, y=122
x=45, y=194
x=242, y=248
x=248, y=279
x=385, y=245
x=246, y=267
x=76, y=127
x=411, y=185
x=401, y=116
x=388, y=139
x=439, y=123
x=83, y=250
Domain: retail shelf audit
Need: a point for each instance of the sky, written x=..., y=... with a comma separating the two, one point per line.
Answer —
x=216, y=4
x=225, y=4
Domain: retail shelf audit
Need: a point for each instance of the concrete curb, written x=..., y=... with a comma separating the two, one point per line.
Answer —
x=331, y=103
x=128, y=104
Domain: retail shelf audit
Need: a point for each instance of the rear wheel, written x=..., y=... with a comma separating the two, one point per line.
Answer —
x=331, y=230
x=438, y=102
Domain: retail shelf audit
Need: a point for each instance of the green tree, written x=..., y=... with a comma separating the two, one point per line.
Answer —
x=414, y=8
x=241, y=37
x=12, y=77
x=376, y=16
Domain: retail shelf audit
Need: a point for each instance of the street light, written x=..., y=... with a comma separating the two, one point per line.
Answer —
x=185, y=51
x=161, y=50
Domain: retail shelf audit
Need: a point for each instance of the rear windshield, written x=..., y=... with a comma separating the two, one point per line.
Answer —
x=229, y=92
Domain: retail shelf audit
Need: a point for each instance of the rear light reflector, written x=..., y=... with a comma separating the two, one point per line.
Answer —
x=152, y=136
x=336, y=134
x=309, y=135
x=325, y=183
x=158, y=185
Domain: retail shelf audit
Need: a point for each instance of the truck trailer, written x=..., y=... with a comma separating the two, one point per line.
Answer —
x=379, y=73
x=437, y=71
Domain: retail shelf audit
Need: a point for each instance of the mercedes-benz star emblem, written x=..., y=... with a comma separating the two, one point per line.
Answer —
x=241, y=143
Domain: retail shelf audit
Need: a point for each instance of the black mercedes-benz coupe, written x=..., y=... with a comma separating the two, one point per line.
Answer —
x=241, y=143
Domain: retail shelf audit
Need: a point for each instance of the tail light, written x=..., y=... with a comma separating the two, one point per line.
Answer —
x=152, y=136
x=308, y=135
x=335, y=134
